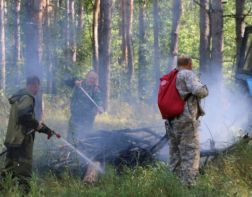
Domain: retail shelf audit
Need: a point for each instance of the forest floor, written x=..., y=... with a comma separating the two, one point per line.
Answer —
x=227, y=175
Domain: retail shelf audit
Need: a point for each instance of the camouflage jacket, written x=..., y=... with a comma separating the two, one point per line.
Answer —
x=192, y=90
x=21, y=119
x=81, y=105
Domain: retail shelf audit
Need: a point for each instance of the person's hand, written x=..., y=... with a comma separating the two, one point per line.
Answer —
x=100, y=110
x=78, y=83
x=46, y=130
x=40, y=126
x=49, y=135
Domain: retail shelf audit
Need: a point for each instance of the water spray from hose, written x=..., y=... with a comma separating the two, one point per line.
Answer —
x=98, y=168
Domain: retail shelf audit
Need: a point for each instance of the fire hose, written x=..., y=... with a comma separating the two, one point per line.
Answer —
x=160, y=144
x=89, y=97
x=52, y=132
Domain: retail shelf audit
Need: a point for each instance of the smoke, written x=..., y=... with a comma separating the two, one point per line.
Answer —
x=227, y=115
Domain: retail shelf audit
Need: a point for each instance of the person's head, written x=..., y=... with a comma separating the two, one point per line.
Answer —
x=33, y=84
x=92, y=78
x=184, y=62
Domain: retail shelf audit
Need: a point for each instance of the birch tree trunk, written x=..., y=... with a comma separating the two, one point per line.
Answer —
x=96, y=15
x=73, y=44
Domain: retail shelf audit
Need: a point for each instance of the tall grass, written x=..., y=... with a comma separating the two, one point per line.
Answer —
x=228, y=175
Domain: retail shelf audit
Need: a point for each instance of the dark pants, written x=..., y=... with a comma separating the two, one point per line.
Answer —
x=19, y=162
x=79, y=126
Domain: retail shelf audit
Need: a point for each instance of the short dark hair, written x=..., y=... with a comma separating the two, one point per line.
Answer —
x=32, y=80
x=184, y=60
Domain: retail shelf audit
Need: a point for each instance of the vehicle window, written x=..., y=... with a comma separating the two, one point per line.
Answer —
x=248, y=55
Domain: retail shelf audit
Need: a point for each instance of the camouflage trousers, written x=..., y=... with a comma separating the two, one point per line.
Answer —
x=18, y=163
x=184, y=150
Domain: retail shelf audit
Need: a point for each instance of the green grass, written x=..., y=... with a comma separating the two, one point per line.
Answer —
x=156, y=180
x=229, y=175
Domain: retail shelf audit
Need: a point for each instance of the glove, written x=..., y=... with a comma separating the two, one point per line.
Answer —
x=50, y=134
x=46, y=130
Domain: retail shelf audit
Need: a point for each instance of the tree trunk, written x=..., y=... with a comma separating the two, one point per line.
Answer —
x=239, y=26
x=70, y=52
x=177, y=12
x=71, y=34
x=123, y=34
x=2, y=47
x=49, y=47
x=104, y=47
x=33, y=31
x=129, y=17
x=17, y=41
x=96, y=15
x=126, y=32
x=81, y=16
x=73, y=44
x=142, y=62
x=216, y=15
x=204, y=48
x=156, y=57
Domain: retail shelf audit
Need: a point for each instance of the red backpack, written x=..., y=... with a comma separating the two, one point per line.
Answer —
x=170, y=102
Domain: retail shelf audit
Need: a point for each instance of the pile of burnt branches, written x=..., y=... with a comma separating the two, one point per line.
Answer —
x=128, y=147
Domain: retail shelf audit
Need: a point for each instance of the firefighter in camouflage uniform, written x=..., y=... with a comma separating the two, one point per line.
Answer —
x=183, y=129
x=21, y=132
x=83, y=111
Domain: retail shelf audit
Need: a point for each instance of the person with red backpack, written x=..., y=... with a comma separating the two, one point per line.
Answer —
x=179, y=98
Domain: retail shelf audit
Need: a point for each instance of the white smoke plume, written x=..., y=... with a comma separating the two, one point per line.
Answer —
x=227, y=115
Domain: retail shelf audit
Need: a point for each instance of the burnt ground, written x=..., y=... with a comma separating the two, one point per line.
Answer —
x=128, y=147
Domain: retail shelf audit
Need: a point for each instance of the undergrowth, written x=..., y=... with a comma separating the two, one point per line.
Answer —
x=228, y=175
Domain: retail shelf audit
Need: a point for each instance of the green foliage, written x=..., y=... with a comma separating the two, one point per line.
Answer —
x=189, y=31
